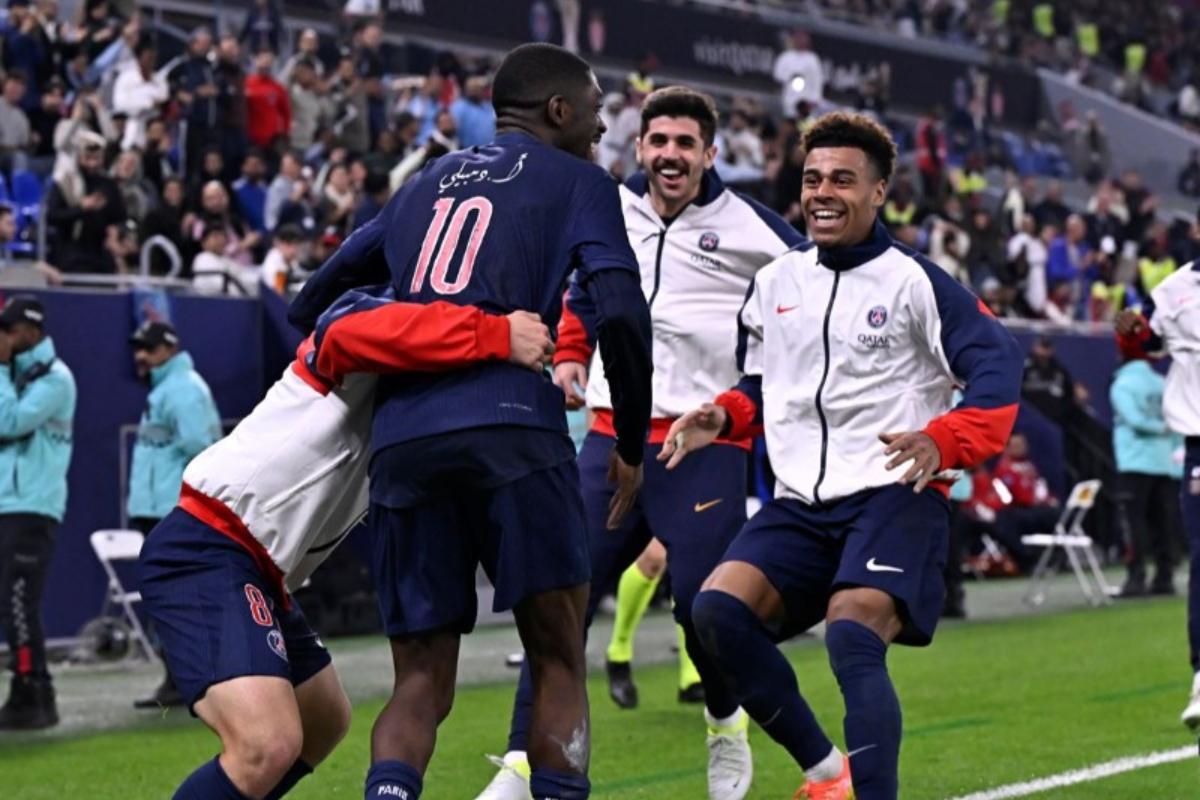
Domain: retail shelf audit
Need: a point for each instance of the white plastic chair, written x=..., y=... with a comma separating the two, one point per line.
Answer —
x=1069, y=535
x=122, y=545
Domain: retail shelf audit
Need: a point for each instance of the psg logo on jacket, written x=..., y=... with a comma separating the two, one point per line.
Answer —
x=877, y=317
x=709, y=241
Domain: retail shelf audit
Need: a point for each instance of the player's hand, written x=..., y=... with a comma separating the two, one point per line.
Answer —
x=629, y=482
x=529, y=341
x=692, y=431
x=567, y=376
x=917, y=447
x=1129, y=323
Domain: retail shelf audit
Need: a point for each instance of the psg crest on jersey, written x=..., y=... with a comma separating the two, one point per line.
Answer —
x=275, y=640
x=709, y=241
x=877, y=317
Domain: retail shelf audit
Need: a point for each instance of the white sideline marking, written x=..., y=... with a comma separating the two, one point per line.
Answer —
x=1092, y=773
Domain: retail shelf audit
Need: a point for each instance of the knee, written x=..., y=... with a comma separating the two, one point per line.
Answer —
x=715, y=615
x=651, y=564
x=852, y=646
x=267, y=753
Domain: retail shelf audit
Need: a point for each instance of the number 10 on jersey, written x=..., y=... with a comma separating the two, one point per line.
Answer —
x=442, y=254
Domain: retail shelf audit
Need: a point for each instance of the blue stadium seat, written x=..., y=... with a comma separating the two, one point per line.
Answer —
x=27, y=189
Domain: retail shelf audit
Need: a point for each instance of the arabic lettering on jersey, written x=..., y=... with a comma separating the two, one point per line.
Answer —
x=464, y=177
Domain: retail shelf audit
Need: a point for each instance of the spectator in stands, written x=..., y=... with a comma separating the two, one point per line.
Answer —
x=138, y=93
x=85, y=209
x=426, y=103
x=231, y=100
x=970, y=180
x=376, y=191
x=101, y=27
x=217, y=211
x=799, y=73
x=88, y=114
x=985, y=258
x=263, y=28
x=1148, y=475
x=37, y=409
x=281, y=270
x=1069, y=256
x=43, y=120
x=24, y=49
x=268, y=108
x=180, y=420
x=214, y=272
x=1103, y=221
x=931, y=154
x=157, y=161
x=1027, y=253
x=948, y=248
x=474, y=116
x=14, y=124
x=251, y=192
x=1052, y=210
x=308, y=105
x=740, y=151
x=299, y=209
x=1155, y=263
x=1141, y=203
x=443, y=140
x=1019, y=200
x=137, y=195
x=1188, y=182
x=194, y=84
x=1093, y=150
x=308, y=47
x=280, y=190
x=212, y=168
x=369, y=66
x=338, y=200
x=166, y=220
x=350, y=124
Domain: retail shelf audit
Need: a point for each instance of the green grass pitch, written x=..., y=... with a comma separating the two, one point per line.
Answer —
x=989, y=704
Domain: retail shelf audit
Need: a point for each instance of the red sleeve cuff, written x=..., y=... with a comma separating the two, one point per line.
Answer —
x=741, y=411
x=492, y=337
x=566, y=352
x=947, y=443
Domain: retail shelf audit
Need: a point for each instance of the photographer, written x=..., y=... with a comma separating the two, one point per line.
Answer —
x=37, y=406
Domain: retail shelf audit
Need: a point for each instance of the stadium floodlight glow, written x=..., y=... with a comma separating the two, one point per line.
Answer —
x=798, y=83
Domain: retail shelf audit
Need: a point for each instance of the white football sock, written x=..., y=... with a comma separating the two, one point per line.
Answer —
x=827, y=769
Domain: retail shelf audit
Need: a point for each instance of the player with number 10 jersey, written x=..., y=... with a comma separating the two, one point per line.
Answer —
x=475, y=466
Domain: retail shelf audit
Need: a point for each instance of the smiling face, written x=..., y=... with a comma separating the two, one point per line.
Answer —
x=841, y=194
x=578, y=119
x=674, y=155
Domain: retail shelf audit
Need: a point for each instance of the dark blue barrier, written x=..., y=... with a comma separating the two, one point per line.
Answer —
x=91, y=332
x=1091, y=360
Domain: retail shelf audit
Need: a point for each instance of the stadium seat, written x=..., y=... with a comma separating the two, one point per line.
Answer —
x=122, y=545
x=1069, y=535
x=27, y=189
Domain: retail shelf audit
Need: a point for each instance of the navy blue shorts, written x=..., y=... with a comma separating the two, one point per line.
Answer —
x=887, y=538
x=528, y=535
x=695, y=510
x=215, y=614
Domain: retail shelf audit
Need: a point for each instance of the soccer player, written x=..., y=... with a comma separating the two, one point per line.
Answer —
x=1169, y=323
x=262, y=508
x=850, y=349
x=475, y=466
x=699, y=246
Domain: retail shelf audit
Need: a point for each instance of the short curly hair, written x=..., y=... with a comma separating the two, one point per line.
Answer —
x=850, y=129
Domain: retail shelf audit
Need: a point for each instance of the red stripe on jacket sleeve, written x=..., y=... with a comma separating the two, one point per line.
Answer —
x=966, y=437
x=399, y=337
x=572, y=344
x=741, y=410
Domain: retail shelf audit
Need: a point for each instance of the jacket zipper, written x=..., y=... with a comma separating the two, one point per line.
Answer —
x=820, y=388
x=662, y=240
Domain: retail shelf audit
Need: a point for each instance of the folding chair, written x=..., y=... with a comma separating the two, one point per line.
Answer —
x=122, y=545
x=1068, y=534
